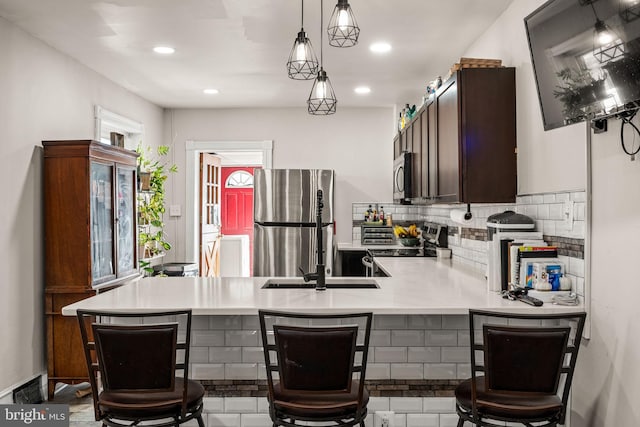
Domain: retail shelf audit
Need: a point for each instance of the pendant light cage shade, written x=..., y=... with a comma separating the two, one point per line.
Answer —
x=629, y=11
x=607, y=46
x=343, y=29
x=302, y=63
x=322, y=99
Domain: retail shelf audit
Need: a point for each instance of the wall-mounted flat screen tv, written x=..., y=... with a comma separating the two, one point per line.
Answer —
x=586, y=58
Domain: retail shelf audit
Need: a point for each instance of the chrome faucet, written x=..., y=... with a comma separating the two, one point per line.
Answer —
x=319, y=275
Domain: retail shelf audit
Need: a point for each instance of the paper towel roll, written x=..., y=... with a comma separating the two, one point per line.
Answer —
x=457, y=215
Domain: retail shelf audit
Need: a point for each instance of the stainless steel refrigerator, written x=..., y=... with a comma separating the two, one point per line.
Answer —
x=284, y=215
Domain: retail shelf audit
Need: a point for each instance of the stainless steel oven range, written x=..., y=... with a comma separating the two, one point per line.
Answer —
x=433, y=236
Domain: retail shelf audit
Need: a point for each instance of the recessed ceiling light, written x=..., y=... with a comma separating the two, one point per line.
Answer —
x=362, y=90
x=211, y=91
x=380, y=47
x=164, y=50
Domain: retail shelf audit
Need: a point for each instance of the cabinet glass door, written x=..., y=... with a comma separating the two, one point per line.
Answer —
x=126, y=247
x=102, y=267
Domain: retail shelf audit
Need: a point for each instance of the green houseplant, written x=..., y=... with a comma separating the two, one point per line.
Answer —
x=151, y=202
x=580, y=93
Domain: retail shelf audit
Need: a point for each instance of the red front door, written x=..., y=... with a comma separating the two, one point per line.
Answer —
x=237, y=203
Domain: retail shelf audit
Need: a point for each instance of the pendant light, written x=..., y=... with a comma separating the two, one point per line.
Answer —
x=606, y=43
x=302, y=63
x=322, y=100
x=342, y=29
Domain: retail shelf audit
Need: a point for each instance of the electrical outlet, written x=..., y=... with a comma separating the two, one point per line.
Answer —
x=384, y=419
x=568, y=214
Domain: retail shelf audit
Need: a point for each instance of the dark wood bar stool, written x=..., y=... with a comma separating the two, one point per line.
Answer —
x=320, y=363
x=525, y=371
x=132, y=361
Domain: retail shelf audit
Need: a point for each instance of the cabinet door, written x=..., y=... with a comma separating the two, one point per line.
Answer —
x=447, y=129
x=416, y=158
x=488, y=135
x=408, y=135
x=125, y=231
x=102, y=244
x=432, y=152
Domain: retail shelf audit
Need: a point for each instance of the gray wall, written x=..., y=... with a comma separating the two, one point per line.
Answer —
x=45, y=95
x=356, y=142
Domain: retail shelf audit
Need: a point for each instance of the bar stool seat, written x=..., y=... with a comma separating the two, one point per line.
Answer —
x=151, y=402
x=508, y=405
x=315, y=404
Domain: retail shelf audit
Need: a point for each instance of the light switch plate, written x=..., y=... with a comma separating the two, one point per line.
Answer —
x=568, y=214
x=174, y=210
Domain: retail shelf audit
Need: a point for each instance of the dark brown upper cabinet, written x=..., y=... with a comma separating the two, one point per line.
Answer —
x=463, y=140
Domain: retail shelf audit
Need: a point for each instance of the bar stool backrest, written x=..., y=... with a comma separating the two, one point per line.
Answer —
x=304, y=353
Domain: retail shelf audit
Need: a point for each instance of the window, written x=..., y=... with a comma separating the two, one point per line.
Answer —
x=107, y=121
x=239, y=179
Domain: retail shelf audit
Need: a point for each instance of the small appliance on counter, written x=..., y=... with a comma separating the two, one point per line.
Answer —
x=376, y=235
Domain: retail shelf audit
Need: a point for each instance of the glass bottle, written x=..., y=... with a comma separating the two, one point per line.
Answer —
x=367, y=214
x=381, y=214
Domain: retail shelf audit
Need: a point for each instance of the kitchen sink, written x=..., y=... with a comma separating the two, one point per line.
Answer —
x=332, y=283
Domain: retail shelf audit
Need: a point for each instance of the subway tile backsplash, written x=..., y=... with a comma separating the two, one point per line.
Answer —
x=415, y=362
x=468, y=241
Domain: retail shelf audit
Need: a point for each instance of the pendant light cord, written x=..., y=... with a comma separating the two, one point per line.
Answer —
x=594, y=11
x=321, y=24
x=302, y=15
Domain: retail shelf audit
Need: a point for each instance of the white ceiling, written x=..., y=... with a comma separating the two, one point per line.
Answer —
x=240, y=47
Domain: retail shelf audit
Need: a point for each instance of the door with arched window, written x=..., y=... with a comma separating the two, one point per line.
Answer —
x=237, y=203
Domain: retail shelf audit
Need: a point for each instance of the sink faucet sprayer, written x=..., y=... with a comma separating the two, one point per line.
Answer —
x=319, y=275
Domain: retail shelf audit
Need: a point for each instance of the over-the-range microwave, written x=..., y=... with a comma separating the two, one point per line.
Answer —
x=402, y=178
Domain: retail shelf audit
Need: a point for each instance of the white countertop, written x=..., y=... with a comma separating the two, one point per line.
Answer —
x=417, y=286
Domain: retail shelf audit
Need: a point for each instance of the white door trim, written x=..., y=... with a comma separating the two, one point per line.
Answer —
x=193, y=150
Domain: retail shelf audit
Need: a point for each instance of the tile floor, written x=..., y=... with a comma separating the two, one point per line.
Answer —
x=80, y=408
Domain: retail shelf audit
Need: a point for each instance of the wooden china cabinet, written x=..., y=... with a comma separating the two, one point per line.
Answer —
x=90, y=239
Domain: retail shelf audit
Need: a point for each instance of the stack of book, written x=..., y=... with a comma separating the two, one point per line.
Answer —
x=528, y=263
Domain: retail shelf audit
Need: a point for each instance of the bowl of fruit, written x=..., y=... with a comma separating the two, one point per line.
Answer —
x=409, y=236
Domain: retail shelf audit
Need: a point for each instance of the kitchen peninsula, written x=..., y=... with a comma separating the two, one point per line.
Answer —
x=419, y=348
x=416, y=286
